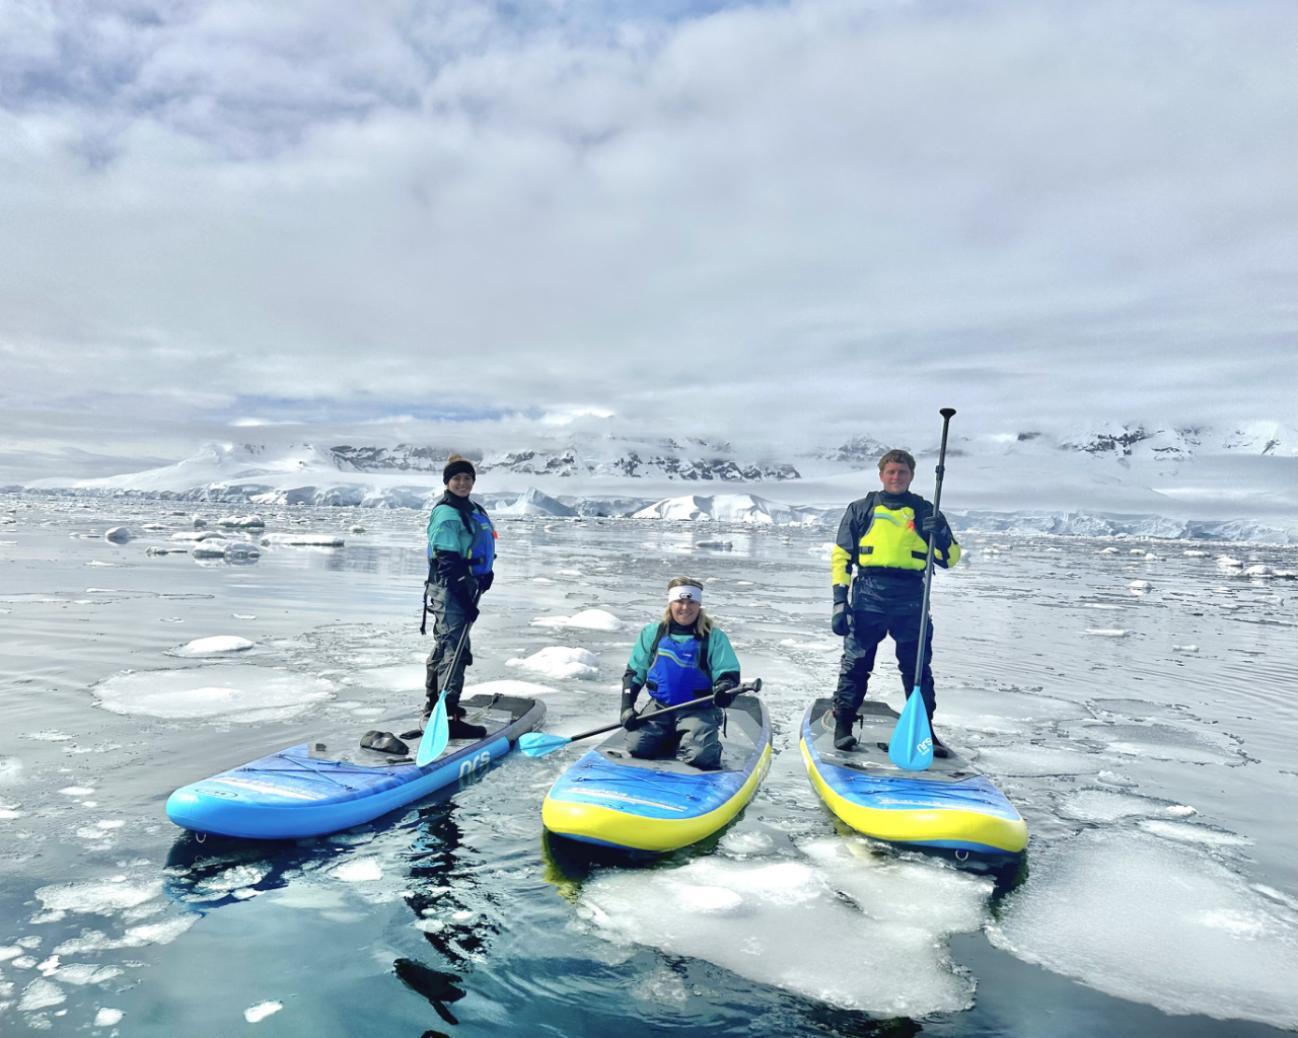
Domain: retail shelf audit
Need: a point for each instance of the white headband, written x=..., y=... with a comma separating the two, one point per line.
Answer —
x=686, y=592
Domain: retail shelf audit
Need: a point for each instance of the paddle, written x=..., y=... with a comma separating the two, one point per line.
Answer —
x=911, y=745
x=437, y=732
x=538, y=744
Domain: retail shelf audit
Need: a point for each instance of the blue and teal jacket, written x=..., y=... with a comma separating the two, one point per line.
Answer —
x=682, y=666
x=462, y=529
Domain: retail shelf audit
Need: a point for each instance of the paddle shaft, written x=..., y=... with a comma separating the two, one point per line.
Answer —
x=747, y=686
x=946, y=414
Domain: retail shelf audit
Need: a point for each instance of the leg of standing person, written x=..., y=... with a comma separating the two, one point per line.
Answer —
x=859, y=648
x=452, y=624
x=904, y=628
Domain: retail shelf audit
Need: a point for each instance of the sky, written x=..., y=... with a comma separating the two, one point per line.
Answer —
x=780, y=224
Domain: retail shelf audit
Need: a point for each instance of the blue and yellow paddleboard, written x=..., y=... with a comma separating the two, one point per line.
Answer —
x=947, y=807
x=326, y=785
x=611, y=799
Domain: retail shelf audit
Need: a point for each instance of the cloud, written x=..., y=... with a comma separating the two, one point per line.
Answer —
x=792, y=221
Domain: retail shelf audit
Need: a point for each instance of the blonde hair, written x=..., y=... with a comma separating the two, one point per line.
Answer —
x=704, y=623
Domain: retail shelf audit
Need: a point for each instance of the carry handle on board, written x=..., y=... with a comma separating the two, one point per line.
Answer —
x=538, y=744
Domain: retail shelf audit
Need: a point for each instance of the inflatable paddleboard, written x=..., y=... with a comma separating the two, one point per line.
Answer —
x=611, y=799
x=323, y=786
x=949, y=806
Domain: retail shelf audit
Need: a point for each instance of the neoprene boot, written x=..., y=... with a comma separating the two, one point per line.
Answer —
x=939, y=747
x=843, y=737
x=460, y=728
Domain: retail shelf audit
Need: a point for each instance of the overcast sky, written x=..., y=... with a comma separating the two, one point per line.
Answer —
x=777, y=223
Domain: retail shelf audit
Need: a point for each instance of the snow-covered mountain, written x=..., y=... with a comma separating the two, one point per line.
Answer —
x=1149, y=476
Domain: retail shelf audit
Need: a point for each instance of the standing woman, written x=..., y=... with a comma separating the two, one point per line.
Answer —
x=682, y=657
x=461, y=552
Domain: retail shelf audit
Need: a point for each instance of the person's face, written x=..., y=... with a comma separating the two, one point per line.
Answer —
x=461, y=484
x=895, y=477
x=684, y=611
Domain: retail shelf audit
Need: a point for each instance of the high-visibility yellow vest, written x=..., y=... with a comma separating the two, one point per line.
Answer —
x=890, y=541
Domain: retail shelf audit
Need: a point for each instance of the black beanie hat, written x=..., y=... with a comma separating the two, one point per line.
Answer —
x=455, y=465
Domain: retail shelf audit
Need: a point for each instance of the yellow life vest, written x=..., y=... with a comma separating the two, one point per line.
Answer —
x=892, y=542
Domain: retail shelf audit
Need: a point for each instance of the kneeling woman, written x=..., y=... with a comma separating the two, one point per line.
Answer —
x=682, y=657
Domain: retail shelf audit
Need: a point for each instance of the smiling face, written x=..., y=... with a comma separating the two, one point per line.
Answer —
x=684, y=611
x=461, y=484
x=896, y=476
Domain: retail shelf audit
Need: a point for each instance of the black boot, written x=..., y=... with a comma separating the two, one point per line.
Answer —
x=843, y=737
x=939, y=747
x=459, y=727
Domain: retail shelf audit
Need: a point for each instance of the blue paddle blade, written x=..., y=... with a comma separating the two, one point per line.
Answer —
x=437, y=733
x=911, y=746
x=538, y=744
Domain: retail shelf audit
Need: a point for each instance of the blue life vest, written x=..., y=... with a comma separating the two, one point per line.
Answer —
x=679, y=671
x=482, y=555
x=482, y=541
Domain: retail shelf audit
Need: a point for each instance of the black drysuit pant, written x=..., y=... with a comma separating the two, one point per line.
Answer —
x=869, y=628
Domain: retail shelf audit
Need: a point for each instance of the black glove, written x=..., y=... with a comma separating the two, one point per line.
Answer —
x=723, y=691
x=485, y=581
x=630, y=719
x=841, y=621
x=935, y=525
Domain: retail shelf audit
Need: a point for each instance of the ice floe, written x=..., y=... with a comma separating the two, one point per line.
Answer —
x=560, y=663
x=304, y=540
x=243, y=694
x=1108, y=632
x=256, y=1014
x=108, y=1017
x=793, y=924
x=1144, y=920
x=587, y=619
x=216, y=645
x=359, y=870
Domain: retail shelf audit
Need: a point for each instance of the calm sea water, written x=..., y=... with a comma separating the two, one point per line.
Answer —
x=1147, y=731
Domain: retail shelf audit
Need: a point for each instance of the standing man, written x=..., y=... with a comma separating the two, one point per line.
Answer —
x=885, y=536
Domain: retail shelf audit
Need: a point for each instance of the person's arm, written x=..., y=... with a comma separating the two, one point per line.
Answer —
x=842, y=559
x=633, y=678
x=723, y=665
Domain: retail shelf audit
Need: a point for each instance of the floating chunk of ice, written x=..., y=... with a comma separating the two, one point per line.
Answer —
x=107, y=1017
x=589, y=619
x=361, y=870
x=1190, y=832
x=1108, y=632
x=217, y=645
x=1143, y=920
x=243, y=694
x=40, y=994
x=785, y=923
x=118, y=535
x=560, y=663
x=100, y=897
x=256, y=1014
x=11, y=771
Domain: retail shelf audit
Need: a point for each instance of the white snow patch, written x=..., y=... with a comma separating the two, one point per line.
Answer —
x=243, y=694
x=11, y=771
x=587, y=619
x=560, y=663
x=216, y=645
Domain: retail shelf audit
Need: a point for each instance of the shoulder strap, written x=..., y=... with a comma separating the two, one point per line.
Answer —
x=705, y=664
x=653, y=649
